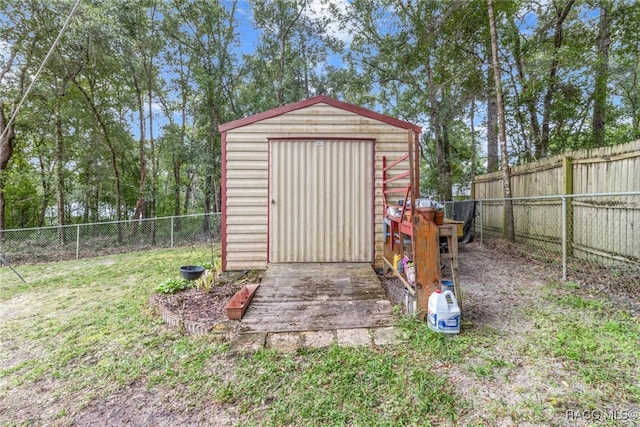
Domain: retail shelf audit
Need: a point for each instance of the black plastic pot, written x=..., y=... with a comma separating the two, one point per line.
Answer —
x=191, y=272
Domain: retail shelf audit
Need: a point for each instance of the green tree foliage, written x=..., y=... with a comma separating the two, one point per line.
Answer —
x=424, y=62
x=289, y=63
x=123, y=121
x=204, y=35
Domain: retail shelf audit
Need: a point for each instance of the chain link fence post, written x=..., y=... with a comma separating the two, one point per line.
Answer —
x=55, y=243
x=78, y=241
x=481, y=216
x=585, y=238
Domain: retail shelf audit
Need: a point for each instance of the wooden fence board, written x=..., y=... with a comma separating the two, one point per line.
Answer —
x=603, y=228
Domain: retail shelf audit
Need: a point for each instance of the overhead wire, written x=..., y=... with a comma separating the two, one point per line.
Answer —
x=44, y=62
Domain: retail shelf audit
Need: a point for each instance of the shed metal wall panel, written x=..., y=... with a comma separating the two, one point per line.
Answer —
x=246, y=219
x=256, y=231
x=243, y=238
x=248, y=173
x=247, y=162
x=246, y=183
x=322, y=201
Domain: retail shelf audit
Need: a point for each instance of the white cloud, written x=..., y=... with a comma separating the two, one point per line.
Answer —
x=5, y=50
x=155, y=107
x=5, y=53
x=321, y=9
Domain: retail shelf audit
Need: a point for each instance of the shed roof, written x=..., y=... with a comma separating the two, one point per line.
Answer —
x=318, y=100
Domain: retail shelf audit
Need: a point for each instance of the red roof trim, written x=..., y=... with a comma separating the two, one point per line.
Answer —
x=317, y=100
x=223, y=196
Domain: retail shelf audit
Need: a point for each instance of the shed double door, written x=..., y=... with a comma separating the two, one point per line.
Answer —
x=321, y=201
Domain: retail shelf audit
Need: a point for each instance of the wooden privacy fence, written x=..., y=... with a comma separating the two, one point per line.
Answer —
x=601, y=170
x=601, y=229
x=584, y=204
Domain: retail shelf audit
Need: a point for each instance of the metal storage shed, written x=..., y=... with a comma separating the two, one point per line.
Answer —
x=303, y=183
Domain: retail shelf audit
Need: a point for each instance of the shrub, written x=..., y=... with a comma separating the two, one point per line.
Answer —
x=171, y=286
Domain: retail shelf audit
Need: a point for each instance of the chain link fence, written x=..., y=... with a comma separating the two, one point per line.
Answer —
x=589, y=238
x=102, y=238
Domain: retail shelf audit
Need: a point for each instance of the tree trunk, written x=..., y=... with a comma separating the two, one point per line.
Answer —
x=177, y=160
x=7, y=127
x=116, y=172
x=280, y=91
x=2, y=203
x=177, y=163
x=492, y=127
x=6, y=150
x=114, y=156
x=176, y=187
x=601, y=76
x=543, y=144
x=524, y=150
x=305, y=67
x=506, y=172
x=216, y=195
x=444, y=177
x=188, y=192
x=152, y=148
x=635, y=98
x=59, y=160
x=207, y=201
x=140, y=210
x=96, y=204
x=526, y=97
x=446, y=193
x=473, y=138
x=46, y=188
x=208, y=181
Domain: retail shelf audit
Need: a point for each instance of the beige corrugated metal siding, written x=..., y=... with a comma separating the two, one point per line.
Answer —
x=247, y=163
x=321, y=201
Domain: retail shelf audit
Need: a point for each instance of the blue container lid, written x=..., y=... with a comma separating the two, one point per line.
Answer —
x=447, y=284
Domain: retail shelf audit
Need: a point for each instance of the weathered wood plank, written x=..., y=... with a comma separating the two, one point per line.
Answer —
x=427, y=257
x=299, y=297
x=343, y=319
x=322, y=307
x=273, y=297
x=281, y=323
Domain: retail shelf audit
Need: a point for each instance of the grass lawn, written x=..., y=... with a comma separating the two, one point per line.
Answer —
x=79, y=337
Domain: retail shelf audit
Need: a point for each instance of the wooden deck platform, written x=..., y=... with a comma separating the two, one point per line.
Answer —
x=312, y=297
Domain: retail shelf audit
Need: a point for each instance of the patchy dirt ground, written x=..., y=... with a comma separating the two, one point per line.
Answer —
x=498, y=382
x=497, y=291
x=497, y=288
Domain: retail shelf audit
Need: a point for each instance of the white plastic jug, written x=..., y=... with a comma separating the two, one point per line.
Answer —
x=444, y=313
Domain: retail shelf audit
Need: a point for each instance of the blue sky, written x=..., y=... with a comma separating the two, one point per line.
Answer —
x=249, y=40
